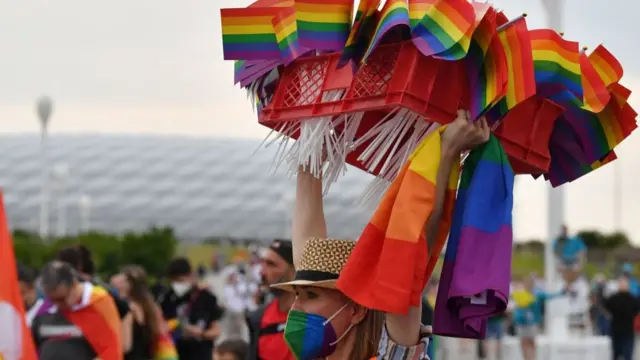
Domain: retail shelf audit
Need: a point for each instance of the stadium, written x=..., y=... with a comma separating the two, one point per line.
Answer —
x=202, y=188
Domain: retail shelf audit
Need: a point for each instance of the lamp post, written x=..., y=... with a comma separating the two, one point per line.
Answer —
x=44, y=107
x=84, y=204
x=556, y=326
x=60, y=175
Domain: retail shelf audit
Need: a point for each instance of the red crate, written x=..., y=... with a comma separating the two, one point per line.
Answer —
x=525, y=132
x=395, y=75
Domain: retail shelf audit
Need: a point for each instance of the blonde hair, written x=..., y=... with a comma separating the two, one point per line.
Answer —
x=367, y=334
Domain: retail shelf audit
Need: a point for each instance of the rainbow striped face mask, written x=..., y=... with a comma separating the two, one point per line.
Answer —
x=311, y=336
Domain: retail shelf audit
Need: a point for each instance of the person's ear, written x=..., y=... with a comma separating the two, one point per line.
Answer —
x=358, y=313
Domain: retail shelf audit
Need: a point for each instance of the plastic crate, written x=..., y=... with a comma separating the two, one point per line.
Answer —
x=525, y=132
x=395, y=75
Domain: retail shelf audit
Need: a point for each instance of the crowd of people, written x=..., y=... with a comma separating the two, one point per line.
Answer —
x=285, y=302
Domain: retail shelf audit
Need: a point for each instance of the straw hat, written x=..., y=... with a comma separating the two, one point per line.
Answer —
x=321, y=263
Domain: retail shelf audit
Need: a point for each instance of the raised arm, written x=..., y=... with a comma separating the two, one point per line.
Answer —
x=308, y=215
x=458, y=137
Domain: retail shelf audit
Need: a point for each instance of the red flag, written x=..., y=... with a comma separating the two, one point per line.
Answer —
x=15, y=338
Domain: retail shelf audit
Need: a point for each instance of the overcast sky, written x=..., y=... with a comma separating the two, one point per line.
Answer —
x=155, y=66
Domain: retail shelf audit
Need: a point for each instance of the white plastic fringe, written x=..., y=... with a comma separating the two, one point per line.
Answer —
x=387, y=144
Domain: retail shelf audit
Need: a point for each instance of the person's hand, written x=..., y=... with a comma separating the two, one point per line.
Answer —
x=461, y=135
x=192, y=331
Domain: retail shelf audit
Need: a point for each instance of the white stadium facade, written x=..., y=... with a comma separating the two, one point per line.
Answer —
x=201, y=187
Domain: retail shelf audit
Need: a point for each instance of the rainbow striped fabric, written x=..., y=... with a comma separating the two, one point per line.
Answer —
x=606, y=65
x=396, y=231
x=164, y=349
x=361, y=34
x=323, y=24
x=556, y=61
x=100, y=324
x=596, y=95
x=461, y=48
x=248, y=34
x=476, y=272
x=394, y=15
x=418, y=9
x=445, y=24
x=521, y=83
x=286, y=30
x=486, y=66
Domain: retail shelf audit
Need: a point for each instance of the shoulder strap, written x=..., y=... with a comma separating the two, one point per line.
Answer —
x=254, y=320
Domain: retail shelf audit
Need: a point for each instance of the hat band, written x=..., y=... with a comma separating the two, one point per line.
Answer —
x=314, y=275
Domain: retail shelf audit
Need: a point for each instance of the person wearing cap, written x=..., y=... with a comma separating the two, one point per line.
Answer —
x=267, y=323
x=323, y=322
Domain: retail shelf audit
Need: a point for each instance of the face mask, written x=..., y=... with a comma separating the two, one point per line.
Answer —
x=311, y=336
x=181, y=288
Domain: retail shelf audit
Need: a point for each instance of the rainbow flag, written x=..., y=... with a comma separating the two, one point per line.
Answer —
x=248, y=34
x=323, y=24
x=596, y=96
x=98, y=319
x=461, y=48
x=521, y=83
x=394, y=14
x=373, y=276
x=444, y=24
x=486, y=66
x=361, y=34
x=556, y=61
x=476, y=272
x=284, y=24
x=607, y=66
x=418, y=9
x=568, y=159
x=16, y=342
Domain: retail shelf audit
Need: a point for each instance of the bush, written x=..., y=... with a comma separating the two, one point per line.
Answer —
x=152, y=249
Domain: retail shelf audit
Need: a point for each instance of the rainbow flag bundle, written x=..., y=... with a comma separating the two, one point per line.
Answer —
x=476, y=272
x=416, y=63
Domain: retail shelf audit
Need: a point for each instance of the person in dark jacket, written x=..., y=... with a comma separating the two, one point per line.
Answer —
x=266, y=324
x=623, y=308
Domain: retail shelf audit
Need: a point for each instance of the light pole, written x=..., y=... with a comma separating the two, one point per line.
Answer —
x=556, y=327
x=44, y=107
x=617, y=197
x=61, y=174
x=84, y=203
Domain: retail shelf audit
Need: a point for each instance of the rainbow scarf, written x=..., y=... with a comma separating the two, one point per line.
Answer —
x=474, y=283
x=391, y=263
x=98, y=319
